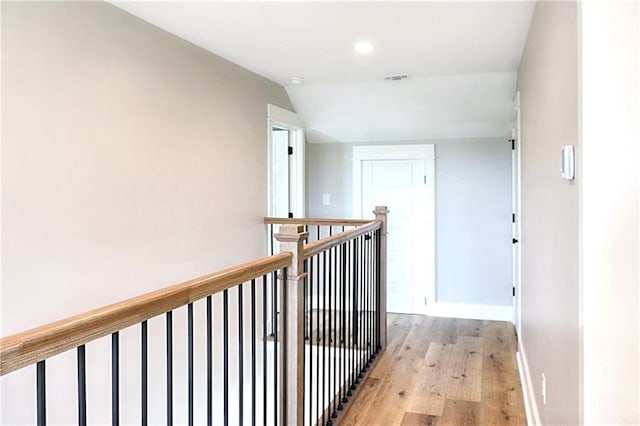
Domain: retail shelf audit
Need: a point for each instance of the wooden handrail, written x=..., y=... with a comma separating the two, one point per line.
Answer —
x=31, y=346
x=316, y=221
x=324, y=244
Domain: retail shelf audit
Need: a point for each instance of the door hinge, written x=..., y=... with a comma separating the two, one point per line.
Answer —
x=513, y=218
x=425, y=179
x=425, y=301
x=290, y=151
x=513, y=291
x=290, y=215
x=513, y=143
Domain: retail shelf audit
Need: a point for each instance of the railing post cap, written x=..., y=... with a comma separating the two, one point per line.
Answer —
x=291, y=233
x=381, y=210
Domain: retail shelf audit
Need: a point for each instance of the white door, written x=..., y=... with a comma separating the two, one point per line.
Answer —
x=405, y=186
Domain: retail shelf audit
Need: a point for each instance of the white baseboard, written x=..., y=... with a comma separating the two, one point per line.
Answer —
x=530, y=405
x=469, y=311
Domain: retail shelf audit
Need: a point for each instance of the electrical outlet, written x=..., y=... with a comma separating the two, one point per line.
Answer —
x=543, y=389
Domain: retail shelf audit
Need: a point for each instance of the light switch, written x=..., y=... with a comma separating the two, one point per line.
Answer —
x=326, y=199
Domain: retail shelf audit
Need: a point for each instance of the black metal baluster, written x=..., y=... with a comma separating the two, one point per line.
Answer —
x=41, y=393
x=367, y=282
x=324, y=329
x=264, y=349
x=343, y=342
x=145, y=371
x=284, y=347
x=304, y=327
x=369, y=307
x=360, y=285
x=271, y=239
x=368, y=297
x=169, y=368
x=328, y=378
x=225, y=362
x=273, y=306
x=311, y=341
x=317, y=337
x=333, y=313
x=82, y=386
x=354, y=315
x=379, y=325
x=190, y=362
x=253, y=352
x=209, y=360
x=115, y=380
x=240, y=359
x=275, y=353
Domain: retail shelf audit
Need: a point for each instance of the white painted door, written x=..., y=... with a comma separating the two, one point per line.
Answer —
x=405, y=186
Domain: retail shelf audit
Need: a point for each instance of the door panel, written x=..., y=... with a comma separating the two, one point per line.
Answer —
x=399, y=184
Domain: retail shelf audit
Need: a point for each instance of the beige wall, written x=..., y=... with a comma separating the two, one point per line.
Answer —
x=131, y=160
x=547, y=81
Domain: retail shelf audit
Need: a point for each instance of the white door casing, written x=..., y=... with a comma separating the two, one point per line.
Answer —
x=516, y=220
x=401, y=177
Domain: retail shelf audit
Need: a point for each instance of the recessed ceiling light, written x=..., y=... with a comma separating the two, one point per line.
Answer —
x=363, y=47
x=296, y=80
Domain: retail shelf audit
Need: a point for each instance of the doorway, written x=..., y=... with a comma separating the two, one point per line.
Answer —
x=401, y=177
x=285, y=163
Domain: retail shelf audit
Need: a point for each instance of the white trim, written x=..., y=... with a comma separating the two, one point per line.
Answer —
x=517, y=205
x=423, y=152
x=470, y=311
x=280, y=115
x=289, y=120
x=528, y=393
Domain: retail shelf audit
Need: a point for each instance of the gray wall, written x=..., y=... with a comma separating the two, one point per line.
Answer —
x=473, y=212
x=547, y=80
x=131, y=160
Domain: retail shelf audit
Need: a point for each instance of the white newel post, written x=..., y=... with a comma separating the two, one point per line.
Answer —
x=291, y=238
x=381, y=213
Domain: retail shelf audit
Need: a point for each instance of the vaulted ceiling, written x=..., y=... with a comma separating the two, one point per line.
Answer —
x=461, y=60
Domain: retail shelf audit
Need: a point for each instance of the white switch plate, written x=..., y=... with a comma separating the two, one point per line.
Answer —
x=326, y=199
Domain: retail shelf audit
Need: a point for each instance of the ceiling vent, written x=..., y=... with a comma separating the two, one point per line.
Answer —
x=396, y=77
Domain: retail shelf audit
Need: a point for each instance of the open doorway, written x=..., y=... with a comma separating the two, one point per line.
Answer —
x=285, y=163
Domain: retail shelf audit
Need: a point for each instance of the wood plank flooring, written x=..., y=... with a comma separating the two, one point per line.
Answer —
x=442, y=371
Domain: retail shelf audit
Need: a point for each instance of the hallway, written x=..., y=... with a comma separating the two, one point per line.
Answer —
x=442, y=371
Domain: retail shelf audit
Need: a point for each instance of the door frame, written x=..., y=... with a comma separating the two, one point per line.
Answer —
x=424, y=152
x=285, y=119
x=516, y=200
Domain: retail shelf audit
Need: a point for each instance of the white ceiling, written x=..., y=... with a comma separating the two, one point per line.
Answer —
x=461, y=59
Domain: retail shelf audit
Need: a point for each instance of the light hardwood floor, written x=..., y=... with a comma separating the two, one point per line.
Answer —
x=442, y=371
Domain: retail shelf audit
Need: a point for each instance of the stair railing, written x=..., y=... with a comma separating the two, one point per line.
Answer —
x=327, y=299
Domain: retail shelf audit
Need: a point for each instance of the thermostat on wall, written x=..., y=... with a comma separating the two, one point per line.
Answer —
x=568, y=167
